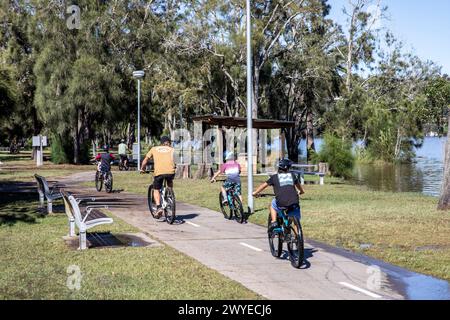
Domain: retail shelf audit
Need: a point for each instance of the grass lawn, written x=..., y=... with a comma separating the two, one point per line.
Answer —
x=401, y=228
x=24, y=170
x=34, y=262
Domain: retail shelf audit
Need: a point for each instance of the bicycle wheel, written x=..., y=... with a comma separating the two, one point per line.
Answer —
x=295, y=244
x=225, y=208
x=170, y=210
x=275, y=242
x=151, y=201
x=109, y=182
x=238, y=209
x=98, y=181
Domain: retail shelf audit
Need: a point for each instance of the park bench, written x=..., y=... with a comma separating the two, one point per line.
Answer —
x=46, y=193
x=84, y=219
x=302, y=174
x=69, y=210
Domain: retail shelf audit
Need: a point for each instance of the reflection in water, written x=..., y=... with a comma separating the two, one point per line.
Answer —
x=424, y=175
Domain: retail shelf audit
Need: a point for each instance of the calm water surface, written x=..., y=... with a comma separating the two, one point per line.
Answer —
x=424, y=175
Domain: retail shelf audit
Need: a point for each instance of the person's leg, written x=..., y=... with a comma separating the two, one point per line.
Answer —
x=224, y=192
x=157, y=184
x=295, y=212
x=273, y=210
x=273, y=215
x=157, y=197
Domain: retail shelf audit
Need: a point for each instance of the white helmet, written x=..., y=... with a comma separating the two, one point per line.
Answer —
x=229, y=156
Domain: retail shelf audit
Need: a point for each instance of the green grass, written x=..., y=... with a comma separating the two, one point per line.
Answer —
x=34, y=264
x=24, y=170
x=398, y=226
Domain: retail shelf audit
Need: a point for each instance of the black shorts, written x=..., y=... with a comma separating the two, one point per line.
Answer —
x=159, y=180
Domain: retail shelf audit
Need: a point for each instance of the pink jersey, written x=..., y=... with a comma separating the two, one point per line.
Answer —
x=232, y=170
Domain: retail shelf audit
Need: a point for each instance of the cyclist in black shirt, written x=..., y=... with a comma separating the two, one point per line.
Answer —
x=104, y=160
x=285, y=185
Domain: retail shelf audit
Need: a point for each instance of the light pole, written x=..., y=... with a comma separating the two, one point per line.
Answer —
x=139, y=75
x=249, y=113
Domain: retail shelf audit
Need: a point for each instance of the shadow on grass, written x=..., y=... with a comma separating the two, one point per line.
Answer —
x=16, y=207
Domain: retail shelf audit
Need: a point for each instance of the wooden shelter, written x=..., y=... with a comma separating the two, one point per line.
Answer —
x=222, y=122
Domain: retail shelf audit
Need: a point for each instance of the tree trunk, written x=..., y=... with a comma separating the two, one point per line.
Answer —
x=255, y=94
x=351, y=35
x=444, y=202
x=130, y=135
x=310, y=146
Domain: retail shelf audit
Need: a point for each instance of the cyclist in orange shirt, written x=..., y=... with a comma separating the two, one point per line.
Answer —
x=163, y=158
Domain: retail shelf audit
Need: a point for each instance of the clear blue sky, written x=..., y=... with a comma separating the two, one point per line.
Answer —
x=422, y=25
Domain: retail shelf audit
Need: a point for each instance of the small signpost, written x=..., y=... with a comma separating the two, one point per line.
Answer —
x=39, y=142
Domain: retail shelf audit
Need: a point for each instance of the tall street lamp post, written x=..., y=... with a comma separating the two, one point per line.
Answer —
x=139, y=75
x=249, y=113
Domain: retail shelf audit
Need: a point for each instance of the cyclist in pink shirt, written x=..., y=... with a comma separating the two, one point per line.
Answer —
x=232, y=170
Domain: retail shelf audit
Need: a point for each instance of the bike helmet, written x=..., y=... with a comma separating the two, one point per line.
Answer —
x=284, y=164
x=105, y=148
x=229, y=156
x=122, y=141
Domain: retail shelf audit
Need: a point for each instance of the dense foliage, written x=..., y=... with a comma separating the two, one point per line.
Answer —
x=75, y=85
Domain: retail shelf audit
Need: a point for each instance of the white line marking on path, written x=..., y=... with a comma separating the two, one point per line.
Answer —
x=251, y=247
x=193, y=224
x=370, y=294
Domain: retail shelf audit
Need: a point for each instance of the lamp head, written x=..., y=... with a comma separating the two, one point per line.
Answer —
x=139, y=74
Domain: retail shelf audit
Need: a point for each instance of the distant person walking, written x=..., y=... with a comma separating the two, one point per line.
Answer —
x=123, y=152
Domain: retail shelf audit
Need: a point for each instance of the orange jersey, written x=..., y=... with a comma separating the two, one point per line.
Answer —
x=163, y=159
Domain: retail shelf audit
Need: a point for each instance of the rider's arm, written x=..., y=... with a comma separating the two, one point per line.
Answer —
x=216, y=175
x=98, y=157
x=300, y=188
x=260, y=188
x=144, y=163
x=146, y=159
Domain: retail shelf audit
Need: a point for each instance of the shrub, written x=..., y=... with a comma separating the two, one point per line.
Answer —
x=59, y=154
x=338, y=154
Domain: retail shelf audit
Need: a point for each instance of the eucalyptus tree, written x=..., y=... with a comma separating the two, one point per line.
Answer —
x=364, y=19
x=306, y=80
x=18, y=56
x=444, y=200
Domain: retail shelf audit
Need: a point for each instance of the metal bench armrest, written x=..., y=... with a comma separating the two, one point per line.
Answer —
x=89, y=210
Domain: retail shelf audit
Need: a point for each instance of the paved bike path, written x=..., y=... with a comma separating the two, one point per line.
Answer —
x=241, y=252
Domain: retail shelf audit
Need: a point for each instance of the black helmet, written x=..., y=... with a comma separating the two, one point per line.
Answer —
x=284, y=164
x=105, y=148
x=165, y=139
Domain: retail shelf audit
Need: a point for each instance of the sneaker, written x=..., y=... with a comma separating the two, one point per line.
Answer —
x=159, y=212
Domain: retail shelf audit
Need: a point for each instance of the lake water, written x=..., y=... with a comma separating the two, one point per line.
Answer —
x=423, y=175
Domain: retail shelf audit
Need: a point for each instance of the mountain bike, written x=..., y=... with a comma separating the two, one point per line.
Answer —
x=168, y=203
x=289, y=231
x=103, y=177
x=233, y=204
x=124, y=164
